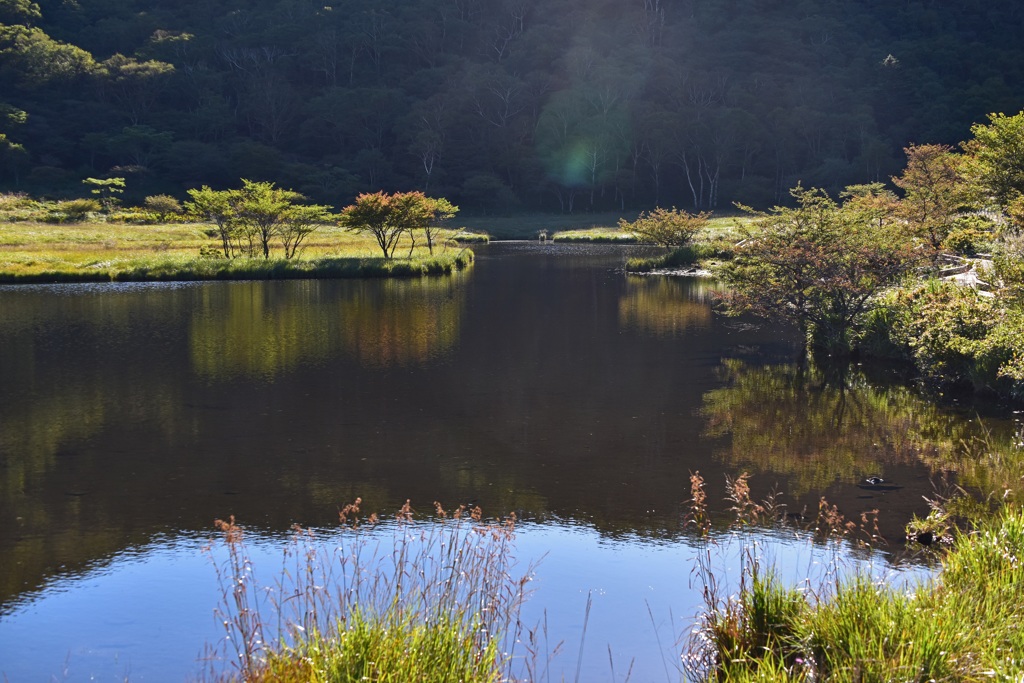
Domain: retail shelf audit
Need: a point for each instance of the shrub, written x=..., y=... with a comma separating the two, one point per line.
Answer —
x=964, y=241
x=669, y=228
x=55, y=216
x=133, y=217
x=954, y=336
x=78, y=209
x=163, y=205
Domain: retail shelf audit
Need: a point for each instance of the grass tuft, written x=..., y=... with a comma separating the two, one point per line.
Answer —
x=397, y=601
x=964, y=624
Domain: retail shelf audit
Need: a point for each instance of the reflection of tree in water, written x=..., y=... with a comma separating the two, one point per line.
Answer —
x=822, y=429
x=666, y=306
x=251, y=329
x=257, y=330
x=402, y=322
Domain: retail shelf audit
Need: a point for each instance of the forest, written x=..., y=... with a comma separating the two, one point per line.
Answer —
x=498, y=105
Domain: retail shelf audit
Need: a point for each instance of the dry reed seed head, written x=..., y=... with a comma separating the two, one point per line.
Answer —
x=404, y=513
x=350, y=509
x=698, y=497
x=439, y=511
x=232, y=532
x=476, y=513
x=831, y=521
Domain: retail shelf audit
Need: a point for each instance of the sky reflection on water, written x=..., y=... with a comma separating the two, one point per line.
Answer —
x=148, y=613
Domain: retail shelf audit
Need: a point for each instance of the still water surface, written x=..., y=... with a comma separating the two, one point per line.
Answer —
x=543, y=381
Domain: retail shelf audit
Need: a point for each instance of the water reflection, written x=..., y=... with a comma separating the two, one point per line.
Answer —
x=546, y=383
x=641, y=593
x=666, y=306
x=402, y=322
x=822, y=428
x=256, y=330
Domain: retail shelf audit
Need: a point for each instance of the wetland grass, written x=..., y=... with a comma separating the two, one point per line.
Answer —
x=401, y=600
x=106, y=252
x=964, y=624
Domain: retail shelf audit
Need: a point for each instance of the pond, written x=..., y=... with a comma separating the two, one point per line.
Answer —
x=543, y=382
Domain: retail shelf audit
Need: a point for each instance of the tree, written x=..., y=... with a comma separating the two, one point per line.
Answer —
x=935, y=190
x=259, y=209
x=261, y=212
x=299, y=222
x=257, y=213
x=670, y=228
x=106, y=189
x=998, y=152
x=216, y=207
x=818, y=265
x=37, y=59
x=437, y=211
x=134, y=85
x=388, y=216
x=874, y=201
x=13, y=158
x=19, y=12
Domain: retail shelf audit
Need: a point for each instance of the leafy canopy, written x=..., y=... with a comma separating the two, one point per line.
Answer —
x=248, y=219
x=935, y=189
x=818, y=265
x=998, y=150
x=389, y=216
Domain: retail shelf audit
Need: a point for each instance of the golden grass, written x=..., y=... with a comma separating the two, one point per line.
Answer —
x=96, y=251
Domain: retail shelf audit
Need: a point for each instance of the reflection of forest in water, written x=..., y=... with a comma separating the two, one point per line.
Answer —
x=818, y=429
x=247, y=330
x=66, y=371
x=101, y=415
x=667, y=305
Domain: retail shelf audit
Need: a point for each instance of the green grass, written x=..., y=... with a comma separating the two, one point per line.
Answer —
x=964, y=625
x=598, y=235
x=188, y=268
x=106, y=252
x=433, y=600
x=397, y=647
x=699, y=253
x=465, y=237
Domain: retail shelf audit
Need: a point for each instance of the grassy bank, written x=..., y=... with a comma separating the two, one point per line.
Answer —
x=169, y=268
x=961, y=625
x=108, y=252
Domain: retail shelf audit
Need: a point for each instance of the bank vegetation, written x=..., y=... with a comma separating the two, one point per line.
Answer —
x=256, y=231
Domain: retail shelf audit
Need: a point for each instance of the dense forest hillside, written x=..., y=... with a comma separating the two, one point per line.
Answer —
x=500, y=105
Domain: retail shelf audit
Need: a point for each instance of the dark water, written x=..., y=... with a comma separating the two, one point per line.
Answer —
x=543, y=381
